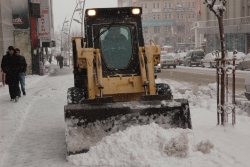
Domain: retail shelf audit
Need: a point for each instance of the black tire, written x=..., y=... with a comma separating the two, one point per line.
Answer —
x=202, y=65
x=184, y=64
x=240, y=67
x=211, y=66
x=75, y=95
x=168, y=66
x=162, y=67
x=189, y=64
x=163, y=89
x=174, y=66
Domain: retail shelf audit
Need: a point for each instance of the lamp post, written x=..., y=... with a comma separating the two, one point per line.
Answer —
x=82, y=12
x=65, y=21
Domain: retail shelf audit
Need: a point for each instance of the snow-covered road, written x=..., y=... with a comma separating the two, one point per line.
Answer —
x=32, y=131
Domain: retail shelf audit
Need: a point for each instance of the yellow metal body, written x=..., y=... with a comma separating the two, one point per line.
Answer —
x=121, y=87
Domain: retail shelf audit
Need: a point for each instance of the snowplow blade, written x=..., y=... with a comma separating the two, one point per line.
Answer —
x=88, y=123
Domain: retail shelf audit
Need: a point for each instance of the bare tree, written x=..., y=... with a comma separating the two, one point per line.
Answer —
x=222, y=68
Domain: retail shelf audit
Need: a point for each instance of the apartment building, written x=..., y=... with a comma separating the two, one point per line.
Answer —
x=236, y=26
x=6, y=27
x=167, y=22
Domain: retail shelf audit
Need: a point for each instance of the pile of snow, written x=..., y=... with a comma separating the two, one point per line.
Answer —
x=149, y=145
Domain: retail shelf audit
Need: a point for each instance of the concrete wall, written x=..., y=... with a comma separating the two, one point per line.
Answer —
x=6, y=27
x=22, y=41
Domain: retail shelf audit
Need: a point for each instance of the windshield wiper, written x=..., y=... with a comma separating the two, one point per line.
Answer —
x=104, y=31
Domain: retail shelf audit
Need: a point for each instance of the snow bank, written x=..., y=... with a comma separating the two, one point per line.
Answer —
x=150, y=145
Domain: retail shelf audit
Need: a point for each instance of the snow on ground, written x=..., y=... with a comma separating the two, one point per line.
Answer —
x=32, y=132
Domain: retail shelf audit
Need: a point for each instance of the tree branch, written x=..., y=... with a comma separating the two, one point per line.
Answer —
x=216, y=9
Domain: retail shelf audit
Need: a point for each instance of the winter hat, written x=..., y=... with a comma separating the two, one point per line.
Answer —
x=11, y=48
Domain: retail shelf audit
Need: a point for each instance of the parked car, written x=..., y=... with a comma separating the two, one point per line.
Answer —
x=245, y=62
x=209, y=61
x=239, y=57
x=168, y=60
x=180, y=57
x=247, y=86
x=157, y=68
x=193, y=57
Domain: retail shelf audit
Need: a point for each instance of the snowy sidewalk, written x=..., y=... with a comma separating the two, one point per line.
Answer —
x=31, y=128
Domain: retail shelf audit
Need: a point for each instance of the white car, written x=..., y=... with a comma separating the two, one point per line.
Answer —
x=247, y=86
x=239, y=57
x=157, y=68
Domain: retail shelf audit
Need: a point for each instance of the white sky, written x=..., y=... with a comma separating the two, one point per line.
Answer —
x=65, y=8
x=32, y=131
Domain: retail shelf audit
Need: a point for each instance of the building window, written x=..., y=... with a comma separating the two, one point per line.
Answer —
x=153, y=5
x=158, y=5
x=178, y=16
x=189, y=4
x=158, y=17
x=145, y=30
x=179, y=39
x=146, y=18
x=165, y=5
x=169, y=5
x=170, y=16
x=189, y=15
x=154, y=17
x=193, y=15
x=181, y=16
x=141, y=5
x=193, y=4
x=156, y=29
x=166, y=16
x=146, y=6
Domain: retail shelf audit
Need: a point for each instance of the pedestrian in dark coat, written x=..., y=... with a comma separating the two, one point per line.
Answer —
x=57, y=59
x=23, y=68
x=11, y=66
x=60, y=58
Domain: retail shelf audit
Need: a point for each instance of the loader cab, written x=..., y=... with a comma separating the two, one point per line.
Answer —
x=117, y=33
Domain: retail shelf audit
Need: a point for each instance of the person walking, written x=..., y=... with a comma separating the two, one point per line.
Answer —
x=10, y=65
x=60, y=58
x=57, y=59
x=23, y=68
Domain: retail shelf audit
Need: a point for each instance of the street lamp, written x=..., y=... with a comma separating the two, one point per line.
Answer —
x=81, y=10
x=65, y=21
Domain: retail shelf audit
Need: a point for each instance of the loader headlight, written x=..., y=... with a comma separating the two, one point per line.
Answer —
x=91, y=12
x=136, y=11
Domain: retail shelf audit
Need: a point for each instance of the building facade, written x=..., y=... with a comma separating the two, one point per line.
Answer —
x=167, y=22
x=6, y=27
x=236, y=27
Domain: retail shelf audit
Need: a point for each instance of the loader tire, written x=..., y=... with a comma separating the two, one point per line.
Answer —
x=163, y=89
x=75, y=95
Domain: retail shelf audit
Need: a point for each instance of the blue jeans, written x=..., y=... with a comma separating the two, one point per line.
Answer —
x=22, y=82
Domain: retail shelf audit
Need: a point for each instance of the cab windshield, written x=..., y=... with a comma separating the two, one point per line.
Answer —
x=116, y=47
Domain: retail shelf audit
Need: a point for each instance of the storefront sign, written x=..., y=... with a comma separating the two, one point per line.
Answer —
x=20, y=14
x=44, y=27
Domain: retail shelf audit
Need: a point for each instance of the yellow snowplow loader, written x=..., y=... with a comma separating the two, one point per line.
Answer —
x=114, y=81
